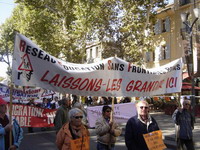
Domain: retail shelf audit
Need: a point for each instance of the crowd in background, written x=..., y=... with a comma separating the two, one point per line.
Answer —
x=55, y=102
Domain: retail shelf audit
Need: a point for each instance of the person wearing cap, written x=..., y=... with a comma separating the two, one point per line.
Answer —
x=184, y=122
x=62, y=114
x=106, y=130
x=6, y=127
x=140, y=124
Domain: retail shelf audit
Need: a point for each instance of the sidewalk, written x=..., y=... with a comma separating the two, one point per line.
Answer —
x=167, y=126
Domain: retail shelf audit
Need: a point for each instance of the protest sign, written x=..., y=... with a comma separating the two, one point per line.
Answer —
x=154, y=140
x=30, y=116
x=109, y=77
x=25, y=94
x=122, y=112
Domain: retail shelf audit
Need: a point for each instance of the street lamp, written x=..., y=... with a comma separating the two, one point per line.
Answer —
x=189, y=53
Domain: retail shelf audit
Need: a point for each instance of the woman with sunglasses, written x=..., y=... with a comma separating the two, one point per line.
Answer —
x=106, y=130
x=138, y=125
x=73, y=135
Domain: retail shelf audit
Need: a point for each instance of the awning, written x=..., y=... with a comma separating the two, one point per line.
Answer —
x=185, y=75
x=188, y=86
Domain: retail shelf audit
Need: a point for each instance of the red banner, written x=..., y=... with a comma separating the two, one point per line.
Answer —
x=30, y=116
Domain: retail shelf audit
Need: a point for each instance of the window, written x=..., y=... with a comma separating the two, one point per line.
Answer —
x=153, y=55
x=91, y=53
x=162, y=26
x=97, y=51
x=164, y=52
x=149, y=56
x=183, y=2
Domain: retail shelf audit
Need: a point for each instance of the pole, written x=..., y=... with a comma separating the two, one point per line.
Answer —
x=192, y=75
x=10, y=111
x=179, y=99
x=111, y=115
x=11, y=95
x=191, y=71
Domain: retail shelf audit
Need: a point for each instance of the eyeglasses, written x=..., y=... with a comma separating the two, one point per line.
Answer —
x=144, y=107
x=78, y=117
x=108, y=111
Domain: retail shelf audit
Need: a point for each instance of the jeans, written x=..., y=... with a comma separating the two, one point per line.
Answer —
x=101, y=146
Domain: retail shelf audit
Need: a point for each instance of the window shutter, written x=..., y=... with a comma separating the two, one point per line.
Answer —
x=168, y=51
x=167, y=24
x=158, y=53
x=157, y=27
x=148, y=57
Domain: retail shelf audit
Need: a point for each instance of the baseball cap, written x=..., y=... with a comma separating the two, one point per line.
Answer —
x=2, y=101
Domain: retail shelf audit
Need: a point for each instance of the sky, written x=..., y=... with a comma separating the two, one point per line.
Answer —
x=6, y=8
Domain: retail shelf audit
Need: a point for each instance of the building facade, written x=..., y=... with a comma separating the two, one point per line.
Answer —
x=94, y=52
x=171, y=38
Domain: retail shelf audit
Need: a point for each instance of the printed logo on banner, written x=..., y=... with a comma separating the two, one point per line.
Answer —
x=26, y=67
x=47, y=93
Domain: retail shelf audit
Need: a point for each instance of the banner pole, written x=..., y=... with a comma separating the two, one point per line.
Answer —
x=179, y=99
x=10, y=111
x=111, y=115
x=11, y=96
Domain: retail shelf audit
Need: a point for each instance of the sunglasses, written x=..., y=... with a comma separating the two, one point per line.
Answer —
x=187, y=104
x=144, y=107
x=78, y=117
x=108, y=111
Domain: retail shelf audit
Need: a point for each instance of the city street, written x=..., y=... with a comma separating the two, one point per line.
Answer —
x=45, y=140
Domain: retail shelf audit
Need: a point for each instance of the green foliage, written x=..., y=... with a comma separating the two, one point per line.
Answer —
x=63, y=28
x=1, y=78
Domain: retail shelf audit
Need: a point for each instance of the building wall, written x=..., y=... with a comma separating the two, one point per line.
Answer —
x=94, y=52
x=171, y=38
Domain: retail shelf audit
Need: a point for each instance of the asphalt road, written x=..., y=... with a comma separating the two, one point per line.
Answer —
x=45, y=140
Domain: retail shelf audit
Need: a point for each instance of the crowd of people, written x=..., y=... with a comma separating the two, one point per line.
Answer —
x=107, y=130
x=71, y=126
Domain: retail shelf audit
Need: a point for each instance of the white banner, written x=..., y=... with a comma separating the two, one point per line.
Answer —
x=109, y=77
x=122, y=112
x=26, y=93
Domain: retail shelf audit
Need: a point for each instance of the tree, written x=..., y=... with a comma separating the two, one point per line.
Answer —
x=1, y=78
x=63, y=28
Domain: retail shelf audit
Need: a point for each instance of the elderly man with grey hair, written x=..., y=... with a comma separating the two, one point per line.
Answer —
x=72, y=131
x=138, y=125
x=62, y=114
x=184, y=122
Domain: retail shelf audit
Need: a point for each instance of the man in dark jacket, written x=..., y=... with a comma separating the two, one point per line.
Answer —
x=62, y=114
x=185, y=122
x=137, y=126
